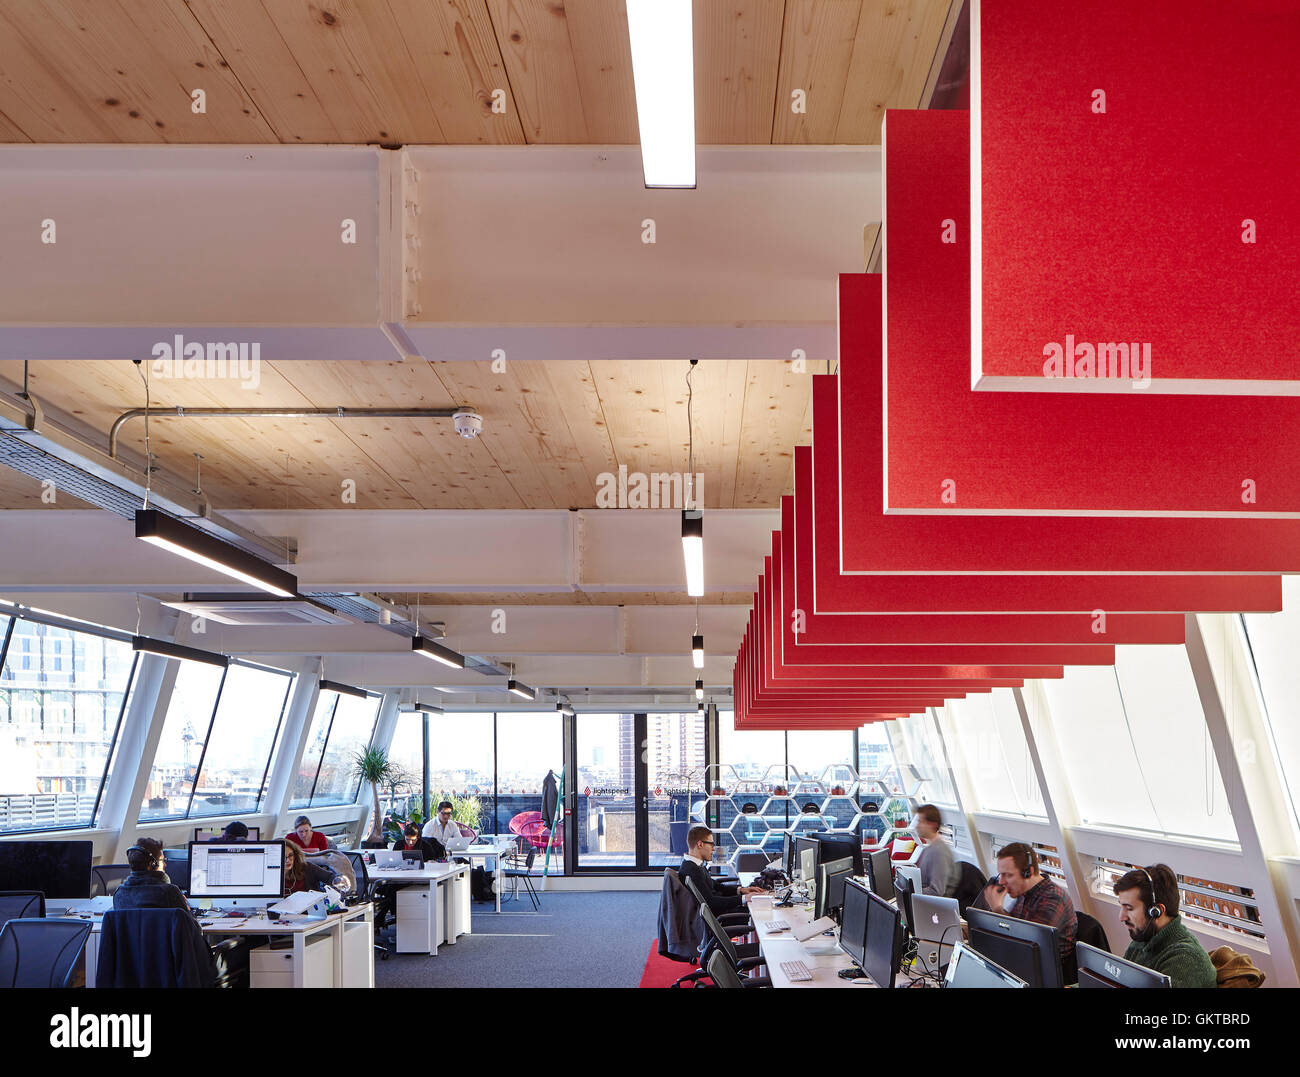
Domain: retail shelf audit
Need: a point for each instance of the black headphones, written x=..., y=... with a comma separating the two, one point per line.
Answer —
x=1031, y=861
x=137, y=849
x=1155, y=910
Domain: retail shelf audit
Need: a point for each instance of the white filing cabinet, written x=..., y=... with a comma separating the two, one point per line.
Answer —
x=274, y=968
x=417, y=922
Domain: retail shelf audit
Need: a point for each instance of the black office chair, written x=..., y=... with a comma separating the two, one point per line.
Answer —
x=733, y=922
x=365, y=889
x=524, y=873
x=21, y=904
x=741, y=958
x=721, y=973
x=35, y=952
x=106, y=878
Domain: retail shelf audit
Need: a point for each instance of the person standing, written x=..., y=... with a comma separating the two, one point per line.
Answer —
x=938, y=866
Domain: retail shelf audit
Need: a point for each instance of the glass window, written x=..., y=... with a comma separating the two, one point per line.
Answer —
x=606, y=787
x=461, y=766
x=1274, y=640
x=62, y=696
x=921, y=749
x=875, y=753
x=529, y=746
x=994, y=748
x=749, y=752
x=238, y=752
x=674, y=755
x=404, y=793
x=349, y=733
x=309, y=765
x=1136, y=746
x=185, y=731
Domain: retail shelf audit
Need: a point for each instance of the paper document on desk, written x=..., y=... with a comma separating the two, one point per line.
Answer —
x=810, y=931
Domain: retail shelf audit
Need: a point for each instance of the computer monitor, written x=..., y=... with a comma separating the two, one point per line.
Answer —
x=837, y=847
x=176, y=864
x=1022, y=947
x=969, y=968
x=903, y=898
x=788, y=854
x=884, y=946
x=212, y=833
x=830, y=886
x=59, y=869
x=853, y=922
x=802, y=845
x=413, y=854
x=882, y=875
x=1097, y=968
x=244, y=869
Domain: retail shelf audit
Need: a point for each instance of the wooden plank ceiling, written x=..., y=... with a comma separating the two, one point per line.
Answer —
x=550, y=429
x=424, y=71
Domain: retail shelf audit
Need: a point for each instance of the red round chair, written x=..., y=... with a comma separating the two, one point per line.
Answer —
x=532, y=828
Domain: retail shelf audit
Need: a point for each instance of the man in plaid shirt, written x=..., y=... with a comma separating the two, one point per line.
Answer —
x=1035, y=897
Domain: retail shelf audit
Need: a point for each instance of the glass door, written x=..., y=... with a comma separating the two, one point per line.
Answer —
x=639, y=778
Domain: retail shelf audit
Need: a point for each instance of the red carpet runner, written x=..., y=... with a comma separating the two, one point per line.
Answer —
x=659, y=971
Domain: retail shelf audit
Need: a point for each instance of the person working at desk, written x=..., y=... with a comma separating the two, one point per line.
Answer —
x=305, y=838
x=1035, y=897
x=301, y=874
x=147, y=887
x=1148, y=902
x=939, y=871
x=442, y=828
x=233, y=832
x=695, y=863
x=430, y=848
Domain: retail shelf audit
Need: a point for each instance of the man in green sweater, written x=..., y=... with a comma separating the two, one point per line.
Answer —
x=1148, y=901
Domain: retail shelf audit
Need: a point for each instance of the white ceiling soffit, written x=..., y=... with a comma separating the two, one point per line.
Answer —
x=460, y=251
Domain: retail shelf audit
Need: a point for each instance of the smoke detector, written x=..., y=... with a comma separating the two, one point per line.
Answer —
x=469, y=424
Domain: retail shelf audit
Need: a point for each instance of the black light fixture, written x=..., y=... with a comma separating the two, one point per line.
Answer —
x=699, y=689
x=697, y=650
x=164, y=649
x=343, y=689
x=178, y=537
x=422, y=708
x=520, y=689
x=428, y=648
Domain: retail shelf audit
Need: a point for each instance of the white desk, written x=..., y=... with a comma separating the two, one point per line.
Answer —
x=486, y=851
x=337, y=951
x=785, y=947
x=432, y=905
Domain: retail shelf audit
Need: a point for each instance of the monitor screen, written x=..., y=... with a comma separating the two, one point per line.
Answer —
x=59, y=869
x=1027, y=949
x=884, y=945
x=969, y=968
x=882, y=878
x=903, y=896
x=1106, y=970
x=804, y=845
x=808, y=864
x=836, y=846
x=830, y=885
x=787, y=854
x=245, y=869
x=853, y=927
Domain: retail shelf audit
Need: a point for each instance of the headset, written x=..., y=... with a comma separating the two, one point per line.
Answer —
x=1155, y=910
x=156, y=858
x=1031, y=861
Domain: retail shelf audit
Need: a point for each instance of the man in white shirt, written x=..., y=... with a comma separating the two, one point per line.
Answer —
x=441, y=827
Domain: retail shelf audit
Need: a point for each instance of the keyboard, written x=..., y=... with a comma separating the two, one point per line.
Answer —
x=796, y=971
x=773, y=926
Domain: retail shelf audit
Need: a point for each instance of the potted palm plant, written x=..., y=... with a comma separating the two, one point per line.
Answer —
x=372, y=765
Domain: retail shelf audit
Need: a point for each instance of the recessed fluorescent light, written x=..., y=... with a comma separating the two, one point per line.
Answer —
x=177, y=537
x=697, y=650
x=343, y=689
x=699, y=689
x=164, y=649
x=693, y=550
x=663, y=71
x=520, y=689
x=429, y=649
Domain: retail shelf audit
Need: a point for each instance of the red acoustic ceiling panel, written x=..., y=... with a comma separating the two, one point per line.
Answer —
x=1135, y=169
x=959, y=628
x=948, y=450
x=825, y=590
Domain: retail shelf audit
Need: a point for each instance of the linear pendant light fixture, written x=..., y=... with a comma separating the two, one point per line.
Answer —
x=697, y=650
x=164, y=649
x=427, y=648
x=693, y=550
x=343, y=689
x=663, y=71
x=421, y=708
x=178, y=537
x=520, y=689
x=699, y=689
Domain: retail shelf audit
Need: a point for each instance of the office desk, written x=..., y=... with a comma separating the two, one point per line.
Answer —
x=486, y=851
x=432, y=906
x=337, y=951
x=785, y=947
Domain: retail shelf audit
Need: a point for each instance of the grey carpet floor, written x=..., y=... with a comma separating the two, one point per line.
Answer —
x=577, y=940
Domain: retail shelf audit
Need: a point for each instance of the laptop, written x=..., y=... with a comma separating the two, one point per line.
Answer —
x=458, y=845
x=936, y=926
x=388, y=858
